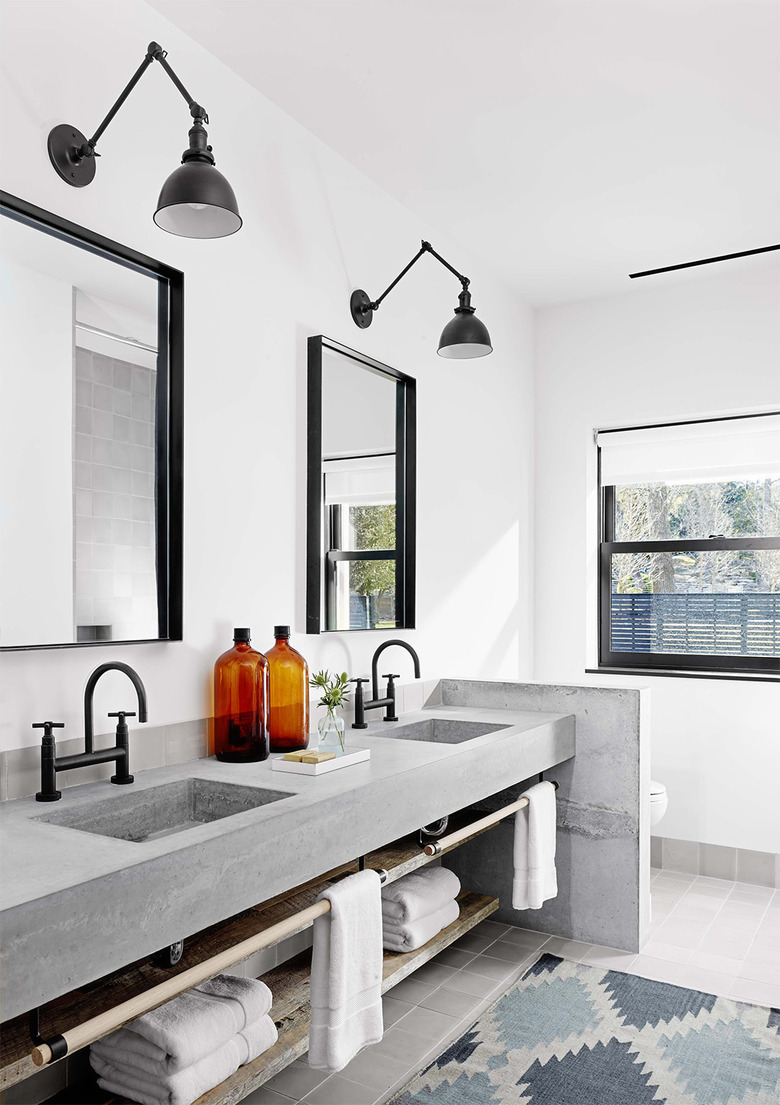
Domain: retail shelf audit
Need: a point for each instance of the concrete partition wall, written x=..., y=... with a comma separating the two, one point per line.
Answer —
x=603, y=842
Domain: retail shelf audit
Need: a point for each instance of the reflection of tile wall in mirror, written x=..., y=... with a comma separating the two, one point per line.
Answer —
x=114, y=499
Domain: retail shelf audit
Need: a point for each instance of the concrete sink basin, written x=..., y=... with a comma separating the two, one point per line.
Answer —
x=148, y=814
x=437, y=730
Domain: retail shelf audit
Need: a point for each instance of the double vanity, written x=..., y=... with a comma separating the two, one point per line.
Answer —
x=112, y=875
x=219, y=854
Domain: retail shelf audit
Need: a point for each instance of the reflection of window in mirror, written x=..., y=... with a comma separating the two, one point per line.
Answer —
x=361, y=486
x=358, y=466
x=360, y=518
x=89, y=505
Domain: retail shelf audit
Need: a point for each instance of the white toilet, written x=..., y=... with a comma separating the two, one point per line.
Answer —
x=659, y=800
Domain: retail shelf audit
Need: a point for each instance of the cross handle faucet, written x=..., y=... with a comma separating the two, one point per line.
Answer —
x=51, y=763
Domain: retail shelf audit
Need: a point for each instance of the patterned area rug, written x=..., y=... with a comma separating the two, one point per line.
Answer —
x=571, y=1034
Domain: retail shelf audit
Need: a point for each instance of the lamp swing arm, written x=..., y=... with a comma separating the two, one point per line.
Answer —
x=425, y=247
x=154, y=52
x=196, y=201
x=463, y=336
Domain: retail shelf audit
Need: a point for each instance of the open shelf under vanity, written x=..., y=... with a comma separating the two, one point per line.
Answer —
x=289, y=982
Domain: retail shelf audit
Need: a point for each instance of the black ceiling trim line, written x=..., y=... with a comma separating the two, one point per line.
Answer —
x=703, y=261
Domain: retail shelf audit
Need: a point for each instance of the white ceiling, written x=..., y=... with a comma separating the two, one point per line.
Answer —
x=567, y=141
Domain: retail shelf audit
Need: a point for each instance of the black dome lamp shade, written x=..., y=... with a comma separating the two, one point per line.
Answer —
x=464, y=336
x=196, y=200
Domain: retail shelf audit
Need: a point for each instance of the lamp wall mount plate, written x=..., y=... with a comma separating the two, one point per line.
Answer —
x=361, y=309
x=64, y=144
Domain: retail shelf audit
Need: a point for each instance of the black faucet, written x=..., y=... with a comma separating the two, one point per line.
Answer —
x=51, y=763
x=375, y=702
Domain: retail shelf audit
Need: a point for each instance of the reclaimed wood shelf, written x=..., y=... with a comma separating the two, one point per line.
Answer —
x=288, y=982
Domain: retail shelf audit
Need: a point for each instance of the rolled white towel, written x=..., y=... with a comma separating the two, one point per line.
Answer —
x=406, y=936
x=419, y=894
x=190, y=1026
x=184, y=1086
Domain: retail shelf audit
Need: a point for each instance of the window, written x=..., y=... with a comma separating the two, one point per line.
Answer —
x=360, y=527
x=689, y=566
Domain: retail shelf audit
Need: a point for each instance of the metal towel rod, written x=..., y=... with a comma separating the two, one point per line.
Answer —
x=83, y=1034
x=436, y=847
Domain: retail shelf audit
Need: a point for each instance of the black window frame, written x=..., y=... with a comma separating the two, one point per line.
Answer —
x=673, y=663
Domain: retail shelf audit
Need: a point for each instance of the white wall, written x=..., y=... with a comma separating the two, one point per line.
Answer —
x=36, y=465
x=314, y=229
x=671, y=347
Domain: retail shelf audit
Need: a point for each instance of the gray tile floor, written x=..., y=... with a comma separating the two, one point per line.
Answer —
x=712, y=935
x=719, y=937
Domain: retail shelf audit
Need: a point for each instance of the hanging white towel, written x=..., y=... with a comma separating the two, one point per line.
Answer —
x=419, y=894
x=406, y=936
x=192, y=1025
x=121, y=1075
x=346, y=973
x=535, y=880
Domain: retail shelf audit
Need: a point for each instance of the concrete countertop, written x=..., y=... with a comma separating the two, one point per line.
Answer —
x=75, y=906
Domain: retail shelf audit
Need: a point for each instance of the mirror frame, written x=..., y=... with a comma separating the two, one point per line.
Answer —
x=405, y=486
x=169, y=428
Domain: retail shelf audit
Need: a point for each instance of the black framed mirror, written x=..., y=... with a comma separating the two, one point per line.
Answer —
x=91, y=437
x=360, y=563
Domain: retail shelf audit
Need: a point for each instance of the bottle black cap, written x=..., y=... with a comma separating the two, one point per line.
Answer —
x=241, y=635
x=281, y=631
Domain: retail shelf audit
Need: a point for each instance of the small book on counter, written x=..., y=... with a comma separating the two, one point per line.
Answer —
x=317, y=761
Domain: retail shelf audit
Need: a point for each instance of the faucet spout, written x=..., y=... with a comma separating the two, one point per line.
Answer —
x=89, y=693
x=375, y=662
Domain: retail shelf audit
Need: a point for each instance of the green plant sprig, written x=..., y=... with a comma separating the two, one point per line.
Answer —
x=333, y=687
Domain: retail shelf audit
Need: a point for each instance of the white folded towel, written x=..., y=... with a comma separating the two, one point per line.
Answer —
x=346, y=973
x=182, y=1087
x=190, y=1026
x=405, y=936
x=419, y=894
x=535, y=879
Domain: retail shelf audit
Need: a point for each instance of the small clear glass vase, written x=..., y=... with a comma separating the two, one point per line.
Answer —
x=331, y=732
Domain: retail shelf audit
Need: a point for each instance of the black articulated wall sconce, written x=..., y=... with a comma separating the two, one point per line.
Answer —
x=463, y=336
x=195, y=202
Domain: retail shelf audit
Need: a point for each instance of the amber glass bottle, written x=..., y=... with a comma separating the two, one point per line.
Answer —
x=240, y=703
x=288, y=713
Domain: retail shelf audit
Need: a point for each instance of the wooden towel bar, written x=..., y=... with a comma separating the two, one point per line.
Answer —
x=112, y=1019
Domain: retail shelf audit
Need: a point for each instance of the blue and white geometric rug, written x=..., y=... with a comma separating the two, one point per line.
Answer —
x=571, y=1034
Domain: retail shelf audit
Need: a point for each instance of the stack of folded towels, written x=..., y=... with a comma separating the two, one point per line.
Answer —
x=177, y=1052
x=417, y=907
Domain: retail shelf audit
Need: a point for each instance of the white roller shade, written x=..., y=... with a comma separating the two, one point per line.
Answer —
x=697, y=452
x=360, y=481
